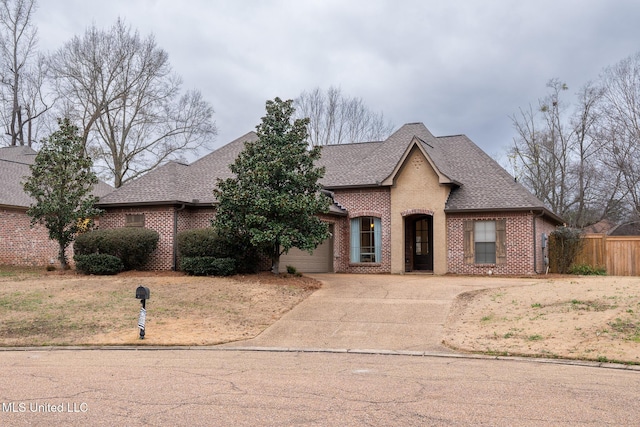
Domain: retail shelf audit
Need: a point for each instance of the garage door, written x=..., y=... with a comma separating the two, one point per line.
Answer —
x=321, y=261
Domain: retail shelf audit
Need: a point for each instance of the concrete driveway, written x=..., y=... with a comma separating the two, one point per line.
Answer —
x=373, y=312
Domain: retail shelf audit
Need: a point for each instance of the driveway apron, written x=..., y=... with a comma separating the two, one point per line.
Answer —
x=373, y=312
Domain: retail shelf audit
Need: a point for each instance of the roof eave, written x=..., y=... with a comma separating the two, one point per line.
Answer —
x=14, y=207
x=353, y=186
x=543, y=211
x=154, y=203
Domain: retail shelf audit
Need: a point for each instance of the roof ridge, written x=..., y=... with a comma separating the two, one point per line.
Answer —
x=15, y=161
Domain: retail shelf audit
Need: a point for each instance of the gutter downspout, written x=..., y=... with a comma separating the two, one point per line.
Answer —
x=535, y=248
x=175, y=236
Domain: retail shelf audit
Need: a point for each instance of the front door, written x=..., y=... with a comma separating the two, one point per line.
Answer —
x=423, y=244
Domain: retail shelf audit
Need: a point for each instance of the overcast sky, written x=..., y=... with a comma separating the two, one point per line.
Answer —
x=458, y=66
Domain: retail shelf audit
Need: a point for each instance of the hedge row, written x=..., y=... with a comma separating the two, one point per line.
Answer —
x=100, y=264
x=131, y=245
x=207, y=244
x=208, y=266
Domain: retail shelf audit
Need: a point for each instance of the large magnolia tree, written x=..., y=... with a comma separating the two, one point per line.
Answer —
x=61, y=183
x=274, y=198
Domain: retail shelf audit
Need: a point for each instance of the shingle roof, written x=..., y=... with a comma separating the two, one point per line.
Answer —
x=14, y=169
x=485, y=184
x=478, y=182
x=180, y=183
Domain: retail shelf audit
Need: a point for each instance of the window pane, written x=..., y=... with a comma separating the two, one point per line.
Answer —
x=367, y=240
x=485, y=231
x=485, y=253
x=134, y=220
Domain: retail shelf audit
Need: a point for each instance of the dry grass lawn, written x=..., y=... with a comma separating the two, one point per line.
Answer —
x=591, y=318
x=574, y=317
x=52, y=308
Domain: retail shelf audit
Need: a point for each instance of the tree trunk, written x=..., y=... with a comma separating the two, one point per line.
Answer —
x=275, y=258
x=62, y=257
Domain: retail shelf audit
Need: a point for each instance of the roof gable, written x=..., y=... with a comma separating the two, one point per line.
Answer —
x=421, y=146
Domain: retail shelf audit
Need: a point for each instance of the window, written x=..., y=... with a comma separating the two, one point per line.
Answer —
x=136, y=220
x=366, y=239
x=484, y=242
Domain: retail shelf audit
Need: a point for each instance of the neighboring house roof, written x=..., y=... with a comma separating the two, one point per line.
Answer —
x=628, y=229
x=601, y=227
x=14, y=168
x=478, y=182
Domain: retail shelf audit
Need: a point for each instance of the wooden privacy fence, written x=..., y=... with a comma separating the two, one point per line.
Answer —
x=620, y=255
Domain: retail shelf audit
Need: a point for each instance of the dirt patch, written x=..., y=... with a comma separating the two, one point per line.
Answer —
x=591, y=318
x=65, y=308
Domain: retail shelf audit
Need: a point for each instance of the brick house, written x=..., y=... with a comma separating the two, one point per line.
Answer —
x=411, y=203
x=21, y=244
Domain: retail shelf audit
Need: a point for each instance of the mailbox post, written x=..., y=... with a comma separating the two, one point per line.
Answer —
x=143, y=294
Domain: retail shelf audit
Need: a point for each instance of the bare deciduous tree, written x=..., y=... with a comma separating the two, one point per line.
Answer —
x=621, y=113
x=121, y=88
x=558, y=155
x=336, y=119
x=541, y=149
x=23, y=73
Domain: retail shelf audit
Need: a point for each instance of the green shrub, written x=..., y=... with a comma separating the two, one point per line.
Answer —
x=101, y=264
x=587, y=270
x=202, y=242
x=291, y=269
x=208, y=266
x=132, y=245
x=207, y=242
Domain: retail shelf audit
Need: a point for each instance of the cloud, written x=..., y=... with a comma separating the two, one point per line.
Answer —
x=458, y=66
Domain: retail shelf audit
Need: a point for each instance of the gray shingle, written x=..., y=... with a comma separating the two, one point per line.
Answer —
x=14, y=169
x=478, y=182
x=485, y=184
x=179, y=183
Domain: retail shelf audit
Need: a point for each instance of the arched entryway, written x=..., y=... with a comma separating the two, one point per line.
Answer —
x=418, y=243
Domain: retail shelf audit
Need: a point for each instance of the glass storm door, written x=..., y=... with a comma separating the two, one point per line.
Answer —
x=423, y=245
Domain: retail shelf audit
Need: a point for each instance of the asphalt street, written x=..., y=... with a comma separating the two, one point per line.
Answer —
x=265, y=388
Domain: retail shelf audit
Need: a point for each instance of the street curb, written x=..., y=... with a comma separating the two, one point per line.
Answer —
x=382, y=352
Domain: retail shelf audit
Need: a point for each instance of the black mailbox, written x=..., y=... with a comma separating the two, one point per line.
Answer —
x=142, y=292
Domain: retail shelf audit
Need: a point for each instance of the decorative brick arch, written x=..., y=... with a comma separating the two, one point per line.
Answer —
x=359, y=214
x=410, y=212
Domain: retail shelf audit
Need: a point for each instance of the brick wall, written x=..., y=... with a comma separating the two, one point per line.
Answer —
x=363, y=202
x=160, y=219
x=191, y=218
x=20, y=244
x=519, y=240
x=358, y=202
